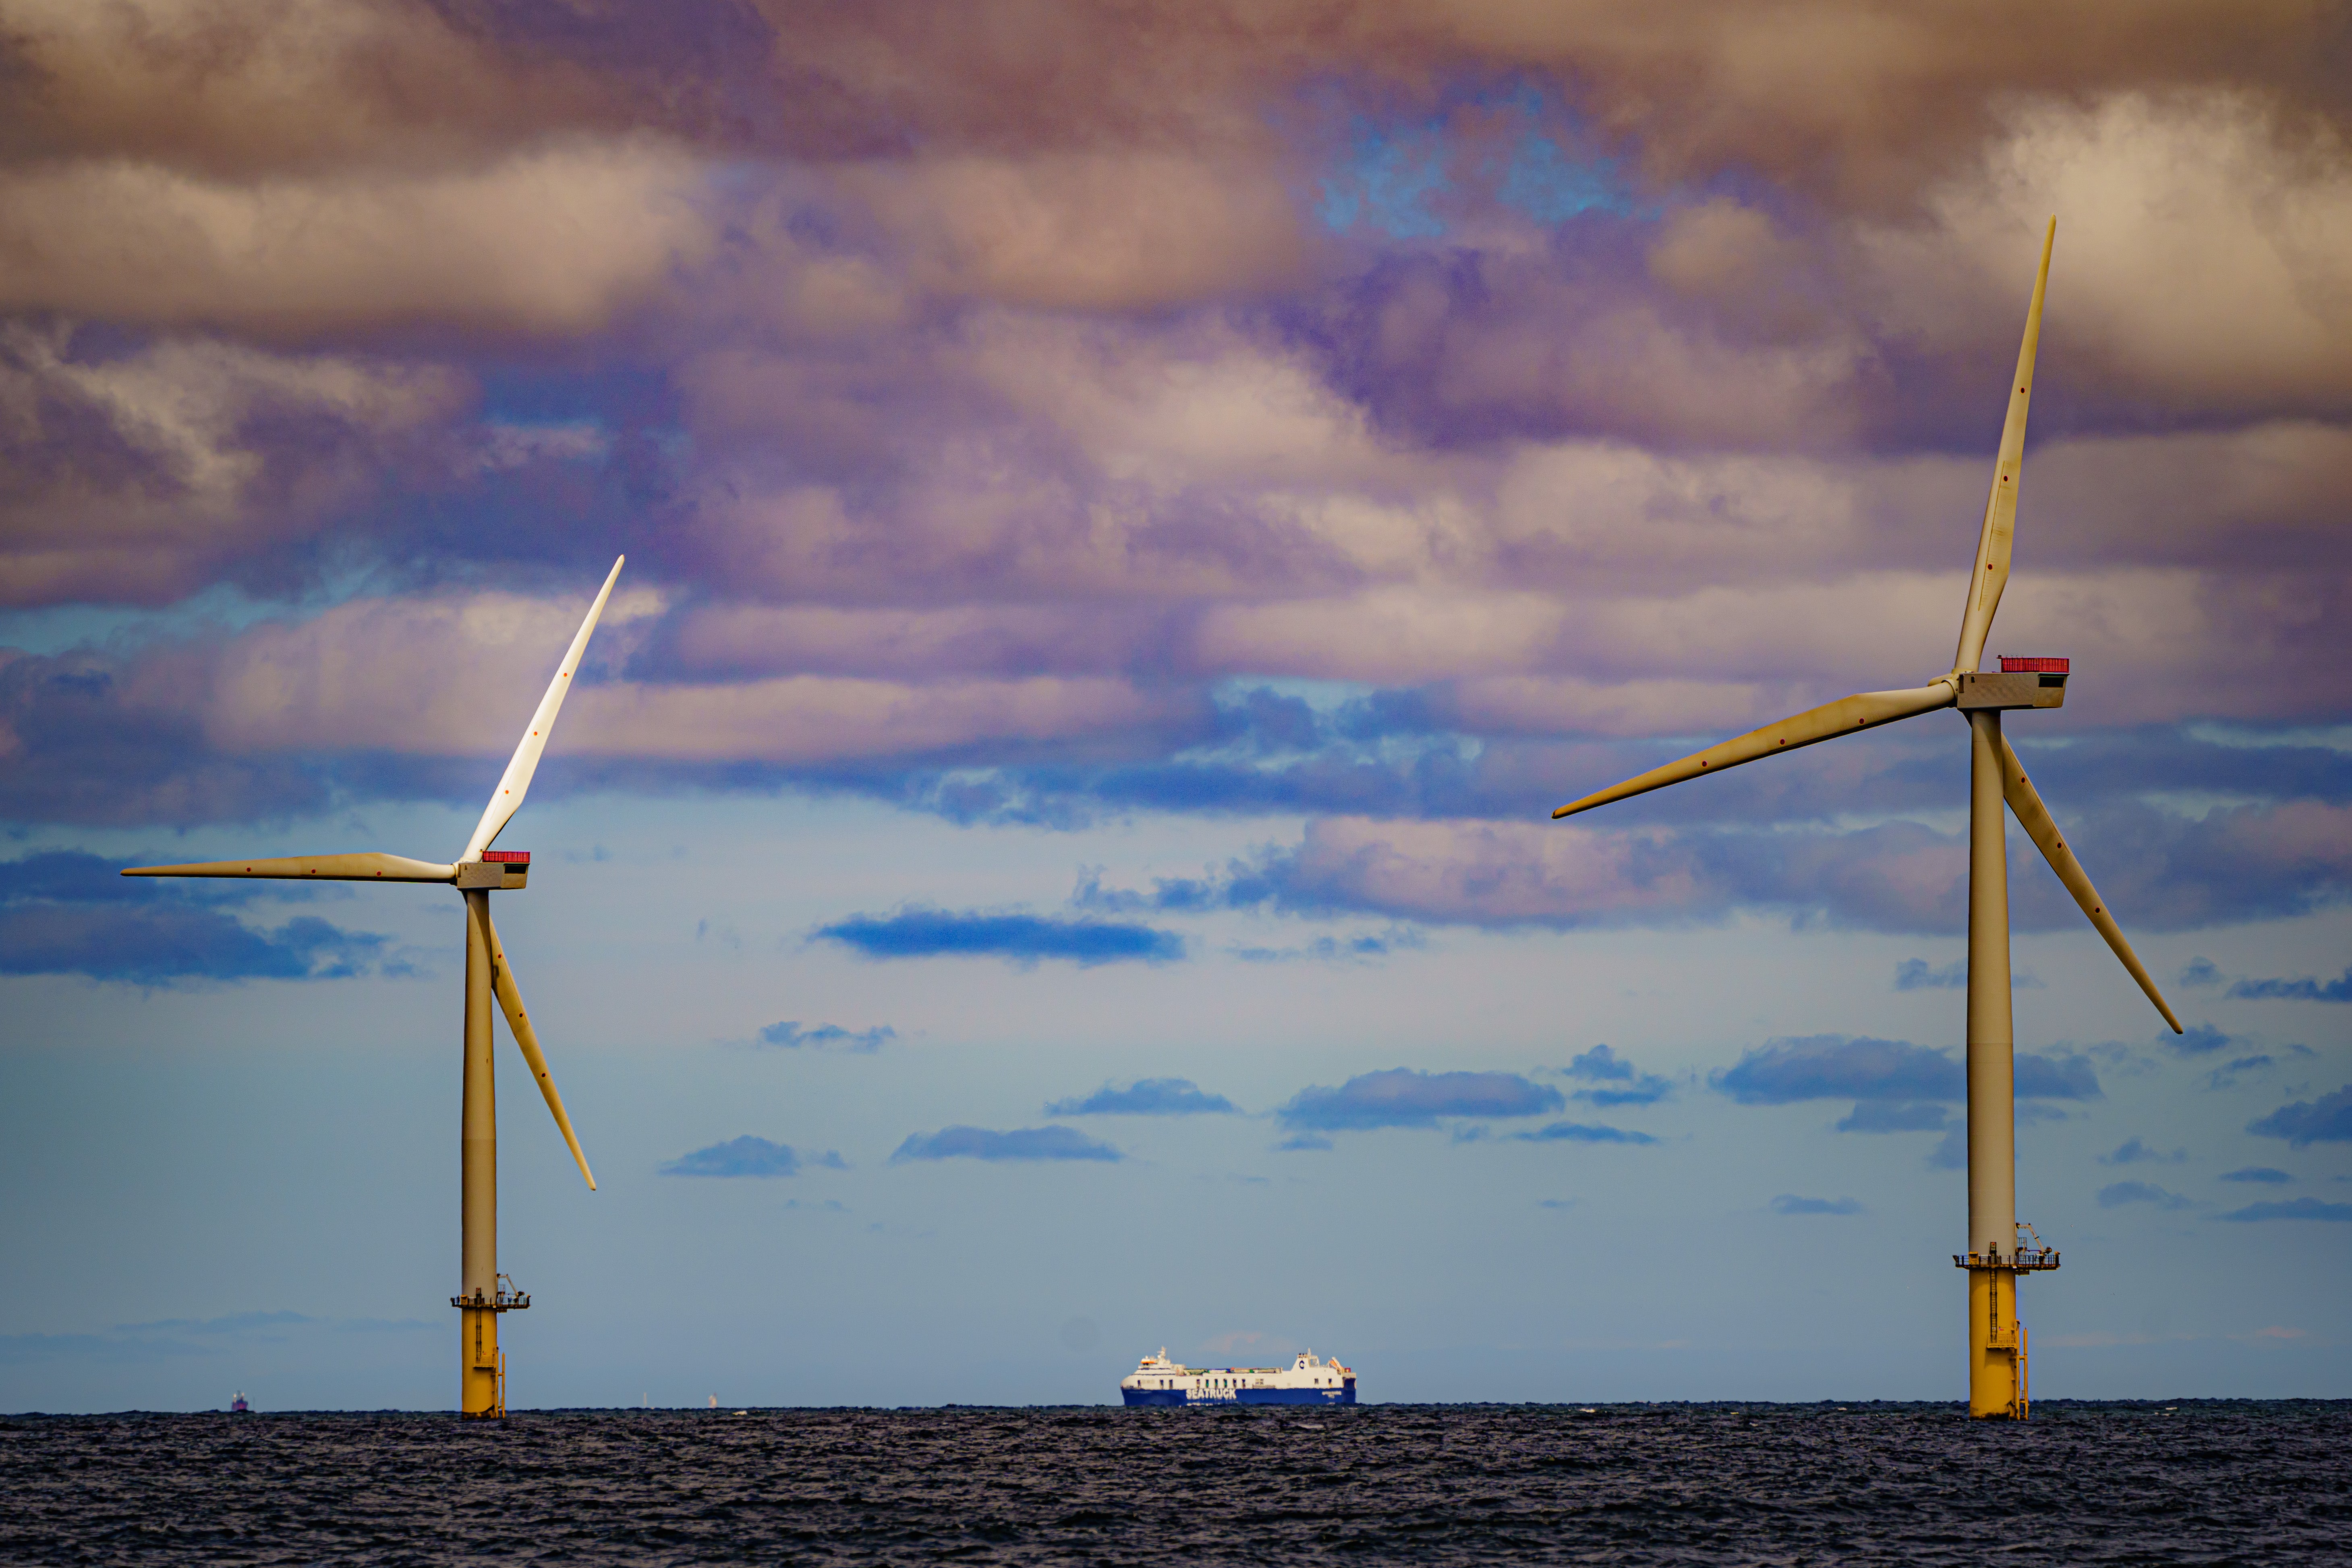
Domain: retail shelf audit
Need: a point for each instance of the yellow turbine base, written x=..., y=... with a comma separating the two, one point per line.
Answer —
x=481, y=1371
x=1997, y=1359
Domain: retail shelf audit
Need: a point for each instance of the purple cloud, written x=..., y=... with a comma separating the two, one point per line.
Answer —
x=2327, y=1119
x=2118, y=1195
x=1025, y=1143
x=748, y=1156
x=1003, y=451
x=917, y=932
x=2293, y=1208
x=1406, y=1096
x=1145, y=1096
x=2304, y=989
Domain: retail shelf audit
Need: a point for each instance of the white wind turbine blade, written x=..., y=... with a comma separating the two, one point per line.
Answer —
x=502, y=984
x=507, y=799
x=1864, y=710
x=1992, y=572
x=369, y=868
x=2026, y=801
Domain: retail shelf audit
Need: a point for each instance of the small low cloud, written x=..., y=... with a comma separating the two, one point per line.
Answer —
x=1916, y=975
x=1844, y=1067
x=1840, y=1066
x=234, y=1323
x=749, y=1156
x=65, y=912
x=2293, y=1208
x=1898, y=1116
x=1578, y=1132
x=2120, y=1194
x=238, y=1334
x=2200, y=973
x=76, y=877
x=918, y=933
x=2056, y=1077
x=1183, y=895
x=2198, y=1040
x=1336, y=948
x=1951, y=1150
x=2264, y=1173
x=1021, y=1144
x=1648, y=1091
x=1601, y=1064
x=2133, y=1152
x=2305, y=990
x=2275, y=1334
x=2327, y=1119
x=161, y=947
x=2227, y=1075
x=1615, y=1079
x=1406, y=1096
x=1305, y=1144
x=790, y=1036
x=1555, y=1202
x=1145, y=1096
x=1789, y=1203
x=274, y=1326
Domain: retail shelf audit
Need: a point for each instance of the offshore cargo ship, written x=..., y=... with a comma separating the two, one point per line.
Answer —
x=1306, y=1379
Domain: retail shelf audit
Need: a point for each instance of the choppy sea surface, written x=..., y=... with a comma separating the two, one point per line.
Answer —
x=2240, y=1482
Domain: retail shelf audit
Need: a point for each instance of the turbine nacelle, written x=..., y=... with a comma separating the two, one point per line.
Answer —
x=500, y=871
x=2021, y=683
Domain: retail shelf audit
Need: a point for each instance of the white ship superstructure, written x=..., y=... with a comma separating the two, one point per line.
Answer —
x=1307, y=1380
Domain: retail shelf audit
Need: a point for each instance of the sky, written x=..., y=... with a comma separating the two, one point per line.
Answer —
x=1134, y=516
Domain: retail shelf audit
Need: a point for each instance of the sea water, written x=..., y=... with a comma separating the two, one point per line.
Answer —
x=2252, y=1481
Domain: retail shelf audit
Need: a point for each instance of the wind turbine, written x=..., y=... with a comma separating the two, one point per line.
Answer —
x=1997, y=1346
x=481, y=1369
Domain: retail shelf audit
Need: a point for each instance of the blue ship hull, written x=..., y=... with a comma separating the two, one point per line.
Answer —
x=1342, y=1395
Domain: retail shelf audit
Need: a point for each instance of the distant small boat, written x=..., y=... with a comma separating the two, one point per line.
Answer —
x=238, y=1406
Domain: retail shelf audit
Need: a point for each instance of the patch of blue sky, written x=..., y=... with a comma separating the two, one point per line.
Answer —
x=558, y=396
x=1384, y=180
x=1339, y=716
x=570, y=414
x=1393, y=179
x=511, y=443
x=122, y=629
x=1551, y=187
x=1325, y=697
x=914, y=931
x=1792, y=1204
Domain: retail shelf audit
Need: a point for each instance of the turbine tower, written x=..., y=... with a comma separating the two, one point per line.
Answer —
x=481, y=1369
x=1997, y=1346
